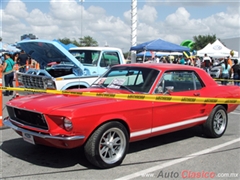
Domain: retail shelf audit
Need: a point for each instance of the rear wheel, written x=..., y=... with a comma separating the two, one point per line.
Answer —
x=108, y=145
x=216, y=124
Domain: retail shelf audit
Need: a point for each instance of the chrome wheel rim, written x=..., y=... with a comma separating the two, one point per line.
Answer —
x=112, y=145
x=220, y=122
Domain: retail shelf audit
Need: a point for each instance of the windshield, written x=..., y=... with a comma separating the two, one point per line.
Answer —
x=86, y=57
x=136, y=79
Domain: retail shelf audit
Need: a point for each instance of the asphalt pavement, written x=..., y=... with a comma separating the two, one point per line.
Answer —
x=185, y=154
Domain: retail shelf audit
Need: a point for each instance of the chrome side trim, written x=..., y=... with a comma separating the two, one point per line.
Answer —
x=168, y=126
x=8, y=123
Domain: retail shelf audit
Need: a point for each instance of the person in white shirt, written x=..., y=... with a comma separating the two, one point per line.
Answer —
x=157, y=59
x=197, y=62
x=207, y=63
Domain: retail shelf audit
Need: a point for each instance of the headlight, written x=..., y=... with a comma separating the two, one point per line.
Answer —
x=67, y=123
x=50, y=84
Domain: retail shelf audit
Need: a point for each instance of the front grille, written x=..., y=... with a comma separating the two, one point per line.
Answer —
x=33, y=82
x=28, y=118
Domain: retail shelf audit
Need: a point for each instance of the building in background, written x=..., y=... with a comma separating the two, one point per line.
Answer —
x=28, y=36
x=232, y=43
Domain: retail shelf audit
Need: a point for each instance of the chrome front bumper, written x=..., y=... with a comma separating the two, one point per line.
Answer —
x=8, y=123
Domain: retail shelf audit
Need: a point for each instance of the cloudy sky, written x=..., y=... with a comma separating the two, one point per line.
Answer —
x=109, y=21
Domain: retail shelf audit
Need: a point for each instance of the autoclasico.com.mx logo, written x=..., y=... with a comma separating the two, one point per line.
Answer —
x=187, y=174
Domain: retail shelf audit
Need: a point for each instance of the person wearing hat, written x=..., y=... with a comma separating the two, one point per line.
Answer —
x=7, y=69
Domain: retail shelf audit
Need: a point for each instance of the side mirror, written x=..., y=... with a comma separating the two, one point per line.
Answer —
x=169, y=89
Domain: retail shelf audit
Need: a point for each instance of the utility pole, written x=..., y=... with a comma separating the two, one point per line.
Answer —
x=82, y=17
x=133, y=29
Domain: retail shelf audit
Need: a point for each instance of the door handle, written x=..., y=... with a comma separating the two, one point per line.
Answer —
x=197, y=94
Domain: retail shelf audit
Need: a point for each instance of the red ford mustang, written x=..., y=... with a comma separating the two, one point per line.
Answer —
x=106, y=126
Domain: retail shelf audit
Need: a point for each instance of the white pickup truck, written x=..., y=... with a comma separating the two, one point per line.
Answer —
x=63, y=69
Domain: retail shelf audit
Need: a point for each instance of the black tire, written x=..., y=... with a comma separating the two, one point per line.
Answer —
x=216, y=124
x=112, y=138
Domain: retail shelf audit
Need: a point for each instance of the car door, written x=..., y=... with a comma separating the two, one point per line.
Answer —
x=171, y=116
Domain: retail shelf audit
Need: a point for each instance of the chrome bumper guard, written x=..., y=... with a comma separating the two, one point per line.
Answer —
x=8, y=123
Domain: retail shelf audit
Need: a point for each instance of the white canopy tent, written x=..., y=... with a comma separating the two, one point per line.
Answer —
x=206, y=49
x=216, y=49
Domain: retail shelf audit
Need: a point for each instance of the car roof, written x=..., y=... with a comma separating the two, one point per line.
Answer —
x=94, y=48
x=208, y=80
x=163, y=66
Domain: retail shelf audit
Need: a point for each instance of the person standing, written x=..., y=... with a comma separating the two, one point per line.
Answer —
x=22, y=59
x=235, y=70
x=207, y=63
x=182, y=60
x=176, y=60
x=7, y=69
x=229, y=61
x=225, y=71
x=15, y=59
x=157, y=59
x=197, y=62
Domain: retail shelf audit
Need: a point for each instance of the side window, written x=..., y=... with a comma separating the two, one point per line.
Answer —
x=184, y=81
x=179, y=81
x=109, y=59
x=86, y=57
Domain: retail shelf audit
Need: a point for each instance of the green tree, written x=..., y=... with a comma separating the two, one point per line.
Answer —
x=76, y=43
x=202, y=41
x=126, y=55
x=0, y=39
x=88, y=41
x=65, y=41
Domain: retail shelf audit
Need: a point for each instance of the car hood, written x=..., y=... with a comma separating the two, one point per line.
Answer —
x=47, y=103
x=216, y=68
x=44, y=52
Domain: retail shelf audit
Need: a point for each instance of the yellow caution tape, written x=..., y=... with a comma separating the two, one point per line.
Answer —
x=232, y=80
x=145, y=97
x=13, y=70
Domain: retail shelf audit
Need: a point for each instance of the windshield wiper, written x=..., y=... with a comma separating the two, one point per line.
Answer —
x=125, y=87
x=99, y=85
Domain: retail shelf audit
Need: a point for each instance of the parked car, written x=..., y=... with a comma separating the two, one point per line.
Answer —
x=63, y=69
x=105, y=126
x=216, y=69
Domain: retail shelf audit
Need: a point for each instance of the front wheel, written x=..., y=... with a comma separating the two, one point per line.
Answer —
x=216, y=124
x=108, y=145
